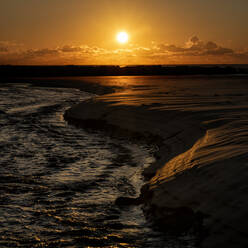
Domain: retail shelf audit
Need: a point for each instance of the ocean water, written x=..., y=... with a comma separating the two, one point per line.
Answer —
x=58, y=183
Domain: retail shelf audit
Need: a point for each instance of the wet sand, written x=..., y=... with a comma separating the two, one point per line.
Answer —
x=202, y=161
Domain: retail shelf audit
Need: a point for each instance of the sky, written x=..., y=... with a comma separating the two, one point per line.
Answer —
x=160, y=32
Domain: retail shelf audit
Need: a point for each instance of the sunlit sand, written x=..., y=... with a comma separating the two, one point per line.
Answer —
x=203, y=160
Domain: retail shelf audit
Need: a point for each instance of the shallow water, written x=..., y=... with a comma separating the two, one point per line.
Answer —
x=58, y=183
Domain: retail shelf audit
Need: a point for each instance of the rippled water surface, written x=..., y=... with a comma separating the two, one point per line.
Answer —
x=58, y=183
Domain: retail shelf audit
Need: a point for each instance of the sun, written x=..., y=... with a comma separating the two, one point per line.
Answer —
x=122, y=37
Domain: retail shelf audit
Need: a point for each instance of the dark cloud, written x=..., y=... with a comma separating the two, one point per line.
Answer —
x=170, y=48
x=41, y=52
x=70, y=49
x=211, y=45
x=194, y=39
x=196, y=47
x=219, y=51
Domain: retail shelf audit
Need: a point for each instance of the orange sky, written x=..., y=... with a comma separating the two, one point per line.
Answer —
x=161, y=31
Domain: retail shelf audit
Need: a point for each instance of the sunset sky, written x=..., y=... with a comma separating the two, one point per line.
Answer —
x=160, y=31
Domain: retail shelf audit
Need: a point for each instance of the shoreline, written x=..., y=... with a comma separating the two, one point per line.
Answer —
x=199, y=169
x=171, y=140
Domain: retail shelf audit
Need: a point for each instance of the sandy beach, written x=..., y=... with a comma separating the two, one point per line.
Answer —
x=124, y=124
x=202, y=161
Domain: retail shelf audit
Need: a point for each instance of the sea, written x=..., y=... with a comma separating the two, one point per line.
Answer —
x=58, y=182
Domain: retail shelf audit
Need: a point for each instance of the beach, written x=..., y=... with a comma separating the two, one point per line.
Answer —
x=124, y=124
x=202, y=160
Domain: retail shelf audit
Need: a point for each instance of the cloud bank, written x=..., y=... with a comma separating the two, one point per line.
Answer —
x=194, y=51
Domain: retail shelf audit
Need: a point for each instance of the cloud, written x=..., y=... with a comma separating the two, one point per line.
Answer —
x=195, y=47
x=9, y=46
x=194, y=40
x=70, y=49
x=40, y=53
x=170, y=48
x=194, y=50
x=211, y=45
x=219, y=51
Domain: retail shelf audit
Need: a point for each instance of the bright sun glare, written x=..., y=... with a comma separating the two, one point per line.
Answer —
x=122, y=37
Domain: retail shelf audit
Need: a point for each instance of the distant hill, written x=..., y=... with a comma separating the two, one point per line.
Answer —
x=74, y=70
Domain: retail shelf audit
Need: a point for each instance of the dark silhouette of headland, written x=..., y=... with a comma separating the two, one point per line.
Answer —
x=140, y=70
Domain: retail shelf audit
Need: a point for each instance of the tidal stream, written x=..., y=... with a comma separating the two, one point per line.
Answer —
x=58, y=183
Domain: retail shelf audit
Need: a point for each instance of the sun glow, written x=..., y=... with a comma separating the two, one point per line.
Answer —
x=122, y=37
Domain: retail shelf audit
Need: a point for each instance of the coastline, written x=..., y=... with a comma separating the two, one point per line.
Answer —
x=200, y=166
x=179, y=133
